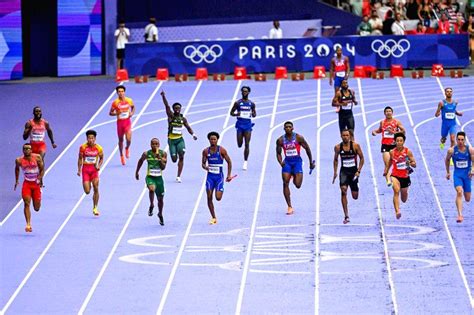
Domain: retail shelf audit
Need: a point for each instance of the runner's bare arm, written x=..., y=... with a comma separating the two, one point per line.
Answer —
x=50, y=134
x=169, y=112
x=139, y=165
x=26, y=132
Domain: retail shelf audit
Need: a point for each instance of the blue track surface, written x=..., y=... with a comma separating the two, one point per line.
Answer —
x=256, y=259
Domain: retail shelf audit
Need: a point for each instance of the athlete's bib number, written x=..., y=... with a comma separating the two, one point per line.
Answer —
x=449, y=115
x=124, y=115
x=90, y=159
x=177, y=130
x=387, y=134
x=341, y=74
x=155, y=172
x=402, y=165
x=461, y=164
x=348, y=163
x=291, y=152
x=245, y=114
x=37, y=136
x=31, y=175
x=215, y=169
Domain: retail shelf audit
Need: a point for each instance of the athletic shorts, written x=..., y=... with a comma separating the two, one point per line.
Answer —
x=338, y=81
x=244, y=126
x=463, y=181
x=123, y=126
x=177, y=146
x=346, y=121
x=387, y=147
x=38, y=147
x=89, y=172
x=293, y=166
x=159, y=184
x=32, y=190
x=404, y=181
x=449, y=127
x=215, y=181
x=347, y=179
x=120, y=53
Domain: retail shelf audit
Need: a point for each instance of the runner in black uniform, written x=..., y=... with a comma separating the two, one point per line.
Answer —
x=350, y=169
x=345, y=99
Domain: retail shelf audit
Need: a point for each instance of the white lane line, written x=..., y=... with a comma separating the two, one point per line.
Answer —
x=318, y=105
x=379, y=208
x=177, y=261
x=318, y=216
x=257, y=205
x=127, y=223
x=234, y=98
x=80, y=133
x=445, y=223
x=56, y=235
x=405, y=102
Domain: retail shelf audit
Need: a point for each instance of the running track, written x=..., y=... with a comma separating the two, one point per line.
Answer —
x=256, y=259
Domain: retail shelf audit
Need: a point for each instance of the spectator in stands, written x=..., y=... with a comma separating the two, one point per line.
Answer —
x=402, y=10
x=470, y=30
x=376, y=23
x=420, y=29
x=364, y=28
x=412, y=9
x=398, y=28
x=443, y=24
x=457, y=28
x=455, y=6
x=151, y=31
x=387, y=24
x=356, y=6
x=276, y=31
x=122, y=34
x=424, y=13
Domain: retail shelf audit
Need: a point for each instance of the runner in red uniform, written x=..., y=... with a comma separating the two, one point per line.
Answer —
x=33, y=171
x=401, y=158
x=36, y=130
x=124, y=109
x=339, y=70
x=388, y=128
x=91, y=157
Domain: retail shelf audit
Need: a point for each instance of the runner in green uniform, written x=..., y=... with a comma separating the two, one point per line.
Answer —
x=176, y=121
x=156, y=160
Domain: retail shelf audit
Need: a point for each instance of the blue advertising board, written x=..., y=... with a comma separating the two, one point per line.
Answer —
x=300, y=54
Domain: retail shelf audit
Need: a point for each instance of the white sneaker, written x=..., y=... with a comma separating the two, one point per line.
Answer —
x=178, y=179
x=245, y=166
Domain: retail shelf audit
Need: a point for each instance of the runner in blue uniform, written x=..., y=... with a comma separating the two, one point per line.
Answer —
x=463, y=158
x=244, y=110
x=292, y=165
x=212, y=161
x=447, y=110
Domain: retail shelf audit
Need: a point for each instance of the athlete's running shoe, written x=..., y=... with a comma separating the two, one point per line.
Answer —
x=244, y=167
x=160, y=217
x=290, y=211
x=441, y=146
x=460, y=219
x=398, y=215
x=213, y=221
x=28, y=229
x=178, y=179
x=389, y=183
x=150, y=211
x=127, y=153
x=346, y=220
x=122, y=159
x=95, y=211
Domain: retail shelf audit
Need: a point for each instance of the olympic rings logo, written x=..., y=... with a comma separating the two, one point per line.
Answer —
x=390, y=48
x=203, y=53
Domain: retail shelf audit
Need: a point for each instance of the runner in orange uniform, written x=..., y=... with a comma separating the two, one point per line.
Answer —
x=36, y=130
x=33, y=171
x=91, y=157
x=124, y=109
x=401, y=159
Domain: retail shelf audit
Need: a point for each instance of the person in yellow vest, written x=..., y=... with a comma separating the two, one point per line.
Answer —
x=176, y=122
x=156, y=159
